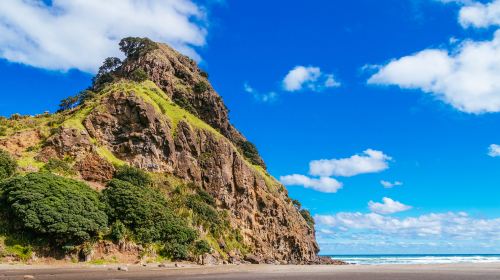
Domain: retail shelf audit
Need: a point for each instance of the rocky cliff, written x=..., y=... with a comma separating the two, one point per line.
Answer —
x=169, y=122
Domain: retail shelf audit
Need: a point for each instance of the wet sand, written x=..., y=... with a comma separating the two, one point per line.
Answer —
x=254, y=272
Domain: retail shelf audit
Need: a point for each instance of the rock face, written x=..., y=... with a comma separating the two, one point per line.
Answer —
x=135, y=131
x=181, y=79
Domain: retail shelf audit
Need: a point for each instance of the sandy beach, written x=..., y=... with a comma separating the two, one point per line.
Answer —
x=251, y=272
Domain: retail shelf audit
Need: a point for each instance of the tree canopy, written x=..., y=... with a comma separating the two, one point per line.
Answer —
x=65, y=211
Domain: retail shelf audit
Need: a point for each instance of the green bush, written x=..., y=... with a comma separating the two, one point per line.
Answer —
x=49, y=206
x=133, y=175
x=99, y=81
x=175, y=251
x=250, y=152
x=200, y=87
x=138, y=75
x=8, y=165
x=3, y=131
x=206, y=197
x=307, y=216
x=144, y=211
x=118, y=231
x=202, y=247
x=57, y=166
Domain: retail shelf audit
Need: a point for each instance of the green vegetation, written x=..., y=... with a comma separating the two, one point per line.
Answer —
x=250, y=152
x=105, y=74
x=307, y=216
x=133, y=175
x=59, y=167
x=138, y=75
x=201, y=87
x=61, y=210
x=134, y=47
x=145, y=213
x=296, y=204
x=8, y=165
x=69, y=103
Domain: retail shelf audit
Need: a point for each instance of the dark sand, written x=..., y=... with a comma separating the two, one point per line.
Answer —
x=254, y=272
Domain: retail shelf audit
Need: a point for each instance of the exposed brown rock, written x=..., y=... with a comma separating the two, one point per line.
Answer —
x=133, y=131
x=93, y=168
x=179, y=77
x=136, y=133
x=67, y=142
x=20, y=142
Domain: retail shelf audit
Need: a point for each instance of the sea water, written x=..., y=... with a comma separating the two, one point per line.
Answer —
x=416, y=259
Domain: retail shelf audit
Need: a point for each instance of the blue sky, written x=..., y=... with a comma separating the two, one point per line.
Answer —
x=401, y=91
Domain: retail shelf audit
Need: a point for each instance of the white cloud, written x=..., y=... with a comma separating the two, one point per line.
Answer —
x=388, y=206
x=479, y=15
x=450, y=225
x=370, y=161
x=467, y=78
x=309, y=77
x=262, y=97
x=388, y=184
x=494, y=150
x=81, y=33
x=323, y=184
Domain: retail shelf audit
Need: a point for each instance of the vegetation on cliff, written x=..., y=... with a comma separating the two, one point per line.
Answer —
x=207, y=190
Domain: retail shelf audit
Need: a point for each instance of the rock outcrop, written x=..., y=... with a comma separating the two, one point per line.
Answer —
x=175, y=123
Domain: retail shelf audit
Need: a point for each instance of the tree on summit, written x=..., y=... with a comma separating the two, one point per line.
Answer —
x=133, y=47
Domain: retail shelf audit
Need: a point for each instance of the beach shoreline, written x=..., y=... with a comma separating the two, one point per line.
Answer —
x=243, y=272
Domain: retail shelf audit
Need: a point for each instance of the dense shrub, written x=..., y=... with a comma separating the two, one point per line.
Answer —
x=118, y=231
x=206, y=197
x=8, y=165
x=133, y=175
x=200, y=87
x=201, y=247
x=57, y=166
x=185, y=104
x=138, y=75
x=307, y=216
x=85, y=96
x=250, y=152
x=3, y=131
x=205, y=213
x=99, y=81
x=144, y=211
x=134, y=47
x=59, y=209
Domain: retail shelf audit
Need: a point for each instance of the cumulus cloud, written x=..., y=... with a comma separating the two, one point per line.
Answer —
x=388, y=184
x=261, y=97
x=494, y=150
x=322, y=184
x=467, y=78
x=309, y=77
x=449, y=225
x=370, y=161
x=479, y=15
x=388, y=206
x=322, y=170
x=79, y=34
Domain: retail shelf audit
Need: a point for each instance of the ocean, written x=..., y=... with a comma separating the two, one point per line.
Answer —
x=416, y=259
